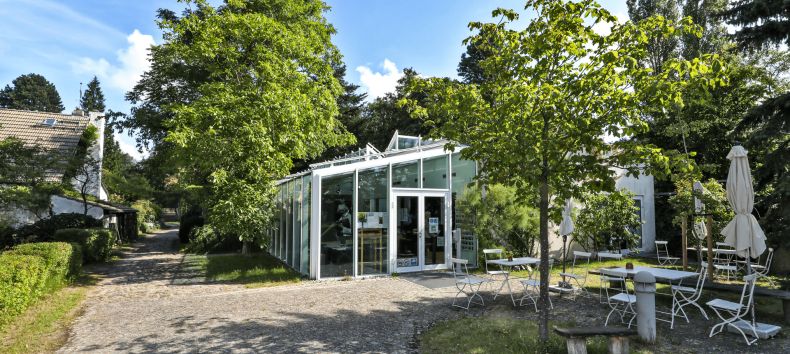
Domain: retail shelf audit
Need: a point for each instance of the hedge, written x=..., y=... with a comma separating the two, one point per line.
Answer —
x=64, y=260
x=44, y=229
x=22, y=279
x=187, y=224
x=96, y=243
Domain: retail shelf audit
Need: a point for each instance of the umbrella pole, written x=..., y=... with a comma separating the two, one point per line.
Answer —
x=749, y=272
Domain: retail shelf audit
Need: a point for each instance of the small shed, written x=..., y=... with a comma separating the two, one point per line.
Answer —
x=119, y=217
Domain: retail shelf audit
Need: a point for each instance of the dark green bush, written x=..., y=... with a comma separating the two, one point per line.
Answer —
x=96, y=243
x=22, y=279
x=187, y=224
x=64, y=260
x=44, y=229
x=6, y=237
x=204, y=239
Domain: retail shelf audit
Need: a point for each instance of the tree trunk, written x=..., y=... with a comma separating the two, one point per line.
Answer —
x=543, y=315
x=245, y=248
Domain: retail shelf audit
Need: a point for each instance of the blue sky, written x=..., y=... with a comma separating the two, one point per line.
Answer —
x=69, y=42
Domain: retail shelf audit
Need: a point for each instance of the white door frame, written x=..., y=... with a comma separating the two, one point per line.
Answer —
x=421, y=226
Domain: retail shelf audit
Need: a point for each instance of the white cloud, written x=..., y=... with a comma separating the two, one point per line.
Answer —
x=129, y=149
x=378, y=84
x=131, y=63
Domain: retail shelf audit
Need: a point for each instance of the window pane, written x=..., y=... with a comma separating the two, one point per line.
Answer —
x=373, y=222
x=404, y=175
x=306, y=225
x=337, y=218
x=463, y=173
x=283, y=224
x=434, y=172
x=289, y=222
x=638, y=231
x=297, y=223
x=406, y=143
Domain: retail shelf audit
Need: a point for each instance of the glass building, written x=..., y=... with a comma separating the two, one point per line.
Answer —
x=374, y=213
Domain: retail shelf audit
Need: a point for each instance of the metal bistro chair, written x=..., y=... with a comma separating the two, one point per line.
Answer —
x=666, y=259
x=722, y=263
x=464, y=281
x=684, y=296
x=622, y=297
x=492, y=273
x=762, y=270
x=609, y=282
x=532, y=287
x=617, y=256
x=735, y=311
x=577, y=278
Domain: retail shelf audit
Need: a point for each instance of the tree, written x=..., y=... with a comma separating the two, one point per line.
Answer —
x=558, y=88
x=469, y=67
x=761, y=22
x=92, y=99
x=270, y=98
x=608, y=220
x=31, y=92
x=660, y=49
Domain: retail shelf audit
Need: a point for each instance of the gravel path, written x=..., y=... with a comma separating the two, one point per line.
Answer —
x=147, y=302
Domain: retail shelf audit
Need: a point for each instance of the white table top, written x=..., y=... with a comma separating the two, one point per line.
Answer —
x=725, y=251
x=516, y=261
x=662, y=273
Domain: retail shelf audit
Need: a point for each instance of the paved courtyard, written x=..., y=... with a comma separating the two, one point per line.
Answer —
x=148, y=302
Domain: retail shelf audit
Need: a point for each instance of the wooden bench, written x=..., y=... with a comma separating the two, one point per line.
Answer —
x=737, y=289
x=577, y=338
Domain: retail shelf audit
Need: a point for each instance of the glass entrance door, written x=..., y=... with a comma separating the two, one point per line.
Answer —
x=420, y=224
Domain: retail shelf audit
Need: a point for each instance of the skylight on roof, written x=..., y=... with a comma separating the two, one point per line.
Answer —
x=50, y=121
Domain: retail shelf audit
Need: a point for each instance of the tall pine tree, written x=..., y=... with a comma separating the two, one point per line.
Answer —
x=92, y=100
x=31, y=92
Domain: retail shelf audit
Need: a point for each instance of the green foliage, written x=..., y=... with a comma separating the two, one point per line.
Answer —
x=608, y=220
x=63, y=260
x=6, y=236
x=147, y=210
x=759, y=23
x=31, y=92
x=187, y=224
x=92, y=99
x=269, y=99
x=22, y=278
x=44, y=229
x=207, y=239
x=96, y=243
x=500, y=220
x=715, y=199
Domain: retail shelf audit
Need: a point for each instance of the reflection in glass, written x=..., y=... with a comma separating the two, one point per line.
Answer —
x=306, y=225
x=289, y=224
x=372, y=222
x=297, y=253
x=406, y=143
x=405, y=175
x=463, y=173
x=337, y=218
x=434, y=230
x=407, y=229
x=434, y=172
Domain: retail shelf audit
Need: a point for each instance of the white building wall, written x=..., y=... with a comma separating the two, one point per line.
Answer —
x=62, y=205
x=97, y=152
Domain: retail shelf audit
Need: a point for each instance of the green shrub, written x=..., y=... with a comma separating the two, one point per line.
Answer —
x=44, y=229
x=186, y=226
x=146, y=208
x=6, y=236
x=22, y=279
x=157, y=212
x=204, y=239
x=96, y=243
x=62, y=259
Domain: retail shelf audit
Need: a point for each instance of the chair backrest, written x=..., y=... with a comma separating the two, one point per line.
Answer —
x=748, y=292
x=461, y=266
x=700, y=281
x=584, y=255
x=768, y=261
x=537, y=268
x=607, y=284
x=617, y=256
x=723, y=245
x=488, y=251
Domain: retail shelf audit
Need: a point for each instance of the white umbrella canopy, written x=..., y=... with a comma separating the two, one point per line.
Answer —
x=743, y=233
x=566, y=226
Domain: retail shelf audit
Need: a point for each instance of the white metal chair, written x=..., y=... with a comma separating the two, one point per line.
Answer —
x=666, y=259
x=620, y=297
x=532, y=287
x=762, y=270
x=579, y=279
x=464, y=281
x=490, y=274
x=610, y=256
x=684, y=296
x=735, y=311
x=722, y=263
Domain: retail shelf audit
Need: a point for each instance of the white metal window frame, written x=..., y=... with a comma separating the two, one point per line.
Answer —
x=315, y=205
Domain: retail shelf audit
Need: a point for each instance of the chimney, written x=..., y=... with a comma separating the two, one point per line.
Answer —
x=78, y=112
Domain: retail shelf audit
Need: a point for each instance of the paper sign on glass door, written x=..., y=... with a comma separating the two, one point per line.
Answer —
x=433, y=225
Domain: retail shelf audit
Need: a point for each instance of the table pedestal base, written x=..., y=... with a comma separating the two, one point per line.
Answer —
x=764, y=331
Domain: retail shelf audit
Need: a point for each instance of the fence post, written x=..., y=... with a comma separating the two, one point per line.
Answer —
x=645, y=289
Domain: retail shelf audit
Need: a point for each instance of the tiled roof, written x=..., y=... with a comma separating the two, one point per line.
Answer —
x=30, y=127
x=112, y=208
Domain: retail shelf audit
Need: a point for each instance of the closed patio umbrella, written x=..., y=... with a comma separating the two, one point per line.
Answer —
x=566, y=227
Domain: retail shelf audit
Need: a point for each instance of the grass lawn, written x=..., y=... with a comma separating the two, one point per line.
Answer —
x=258, y=270
x=43, y=327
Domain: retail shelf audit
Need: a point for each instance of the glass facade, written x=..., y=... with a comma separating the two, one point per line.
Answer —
x=305, y=266
x=434, y=172
x=297, y=240
x=406, y=175
x=337, y=224
x=463, y=174
x=373, y=221
x=289, y=225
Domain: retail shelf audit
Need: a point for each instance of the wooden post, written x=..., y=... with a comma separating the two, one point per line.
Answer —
x=617, y=345
x=685, y=245
x=710, y=247
x=577, y=345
